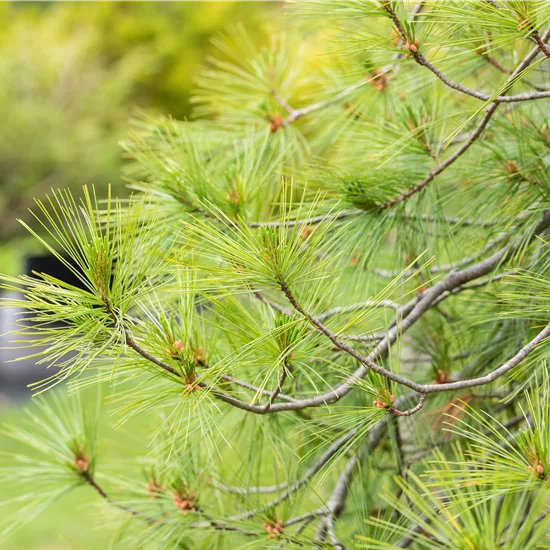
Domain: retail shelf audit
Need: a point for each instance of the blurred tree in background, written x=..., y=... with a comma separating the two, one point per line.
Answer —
x=73, y=74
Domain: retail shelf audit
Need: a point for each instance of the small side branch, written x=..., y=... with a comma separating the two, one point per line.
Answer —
x=279, y=387
x=282, y=102
x=412, y=411
x=541, y=43
x=91, y=481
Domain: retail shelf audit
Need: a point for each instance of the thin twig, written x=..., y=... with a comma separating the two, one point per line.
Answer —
x=541, y=43
x=474, y=135
x=90, y=480
x=367, y=304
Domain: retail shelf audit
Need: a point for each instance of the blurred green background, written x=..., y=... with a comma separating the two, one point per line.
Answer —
x=73, y=75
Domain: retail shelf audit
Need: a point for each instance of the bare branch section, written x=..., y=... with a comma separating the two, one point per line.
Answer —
x=367, y=304
x=541, y=43
x=91, y=481
x=529, y=96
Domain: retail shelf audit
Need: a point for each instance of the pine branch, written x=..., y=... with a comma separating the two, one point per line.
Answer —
x=528, y=96
x=178, y=278
x=541, y=43
x=367, y=304
x=216, y=393
x=422, y=61
x=493, y=375
x=90, y=480
x=472, y=138
x=336, y=503
x=411, y=312
x=493, y=62
x=273, y=395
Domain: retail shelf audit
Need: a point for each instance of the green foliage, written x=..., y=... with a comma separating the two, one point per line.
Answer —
x=60, y=441
x=114, y=262
x=338, y=270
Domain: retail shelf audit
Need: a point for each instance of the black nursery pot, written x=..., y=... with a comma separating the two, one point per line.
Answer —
x=51, y=265
x=15, y=373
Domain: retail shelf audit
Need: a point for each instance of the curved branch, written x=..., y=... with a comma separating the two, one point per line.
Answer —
x=446, y=163
x=411, y=411
x=355, y=307
x=90, y=480
x=529, y=96
x=473, y=136
x=541, y=43
x=413, y=311
x=493, y=375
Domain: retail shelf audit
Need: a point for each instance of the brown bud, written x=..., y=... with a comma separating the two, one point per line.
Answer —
x=200, y=356
x=383, y=405
x=178, y=344
x=306, y=231
x=191, y=386
x=511, y=167
x=184, y=500
x=81, y=462
x=154, y=488
x=539, y=469
x=276, y=122
x=232, y=196
x=274, y=529
x=411, y=46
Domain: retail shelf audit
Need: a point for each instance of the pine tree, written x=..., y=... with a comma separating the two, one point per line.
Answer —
x=328, y=294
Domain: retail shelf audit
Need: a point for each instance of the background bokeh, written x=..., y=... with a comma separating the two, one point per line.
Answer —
x=73, y=75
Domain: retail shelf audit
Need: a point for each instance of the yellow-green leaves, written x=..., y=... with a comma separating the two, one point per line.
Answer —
x=116, y=261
